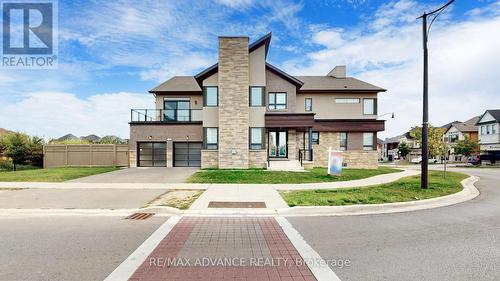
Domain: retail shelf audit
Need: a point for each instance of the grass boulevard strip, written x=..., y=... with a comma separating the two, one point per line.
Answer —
x=403, y=190
x=257, y=176
x=52, y=174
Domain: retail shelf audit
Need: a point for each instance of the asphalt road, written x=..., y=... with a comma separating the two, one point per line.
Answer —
x=68, y=248
x=459, y=242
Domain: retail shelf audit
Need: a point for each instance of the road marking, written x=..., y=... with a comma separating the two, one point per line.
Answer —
x=125, y=270
x=307, y=253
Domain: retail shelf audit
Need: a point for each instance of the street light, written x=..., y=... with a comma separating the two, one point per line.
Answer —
x=425, y=117
x=392, y=115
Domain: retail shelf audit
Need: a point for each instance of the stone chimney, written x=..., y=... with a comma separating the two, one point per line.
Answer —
x=339, y=71
x=234, y=83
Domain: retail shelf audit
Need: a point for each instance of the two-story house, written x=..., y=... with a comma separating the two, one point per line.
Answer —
x=390, y=150
x=243, y=112
x=489, y=135
x=460, y=131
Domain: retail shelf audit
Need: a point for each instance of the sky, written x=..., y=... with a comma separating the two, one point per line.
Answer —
x=112, y=52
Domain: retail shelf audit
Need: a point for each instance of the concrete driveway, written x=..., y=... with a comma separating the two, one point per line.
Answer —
x=142, y=175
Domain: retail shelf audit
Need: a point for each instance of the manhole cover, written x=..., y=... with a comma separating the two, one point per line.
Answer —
x=220, y=204
x=139, y=216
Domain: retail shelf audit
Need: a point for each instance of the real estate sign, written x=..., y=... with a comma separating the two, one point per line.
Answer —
x=335, y=159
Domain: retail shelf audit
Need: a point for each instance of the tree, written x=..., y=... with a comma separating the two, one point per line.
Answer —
x=16, y=147
x=112, y=140
x=435, y=139
x=35, y=151
x=403, y=149
x=466, y=146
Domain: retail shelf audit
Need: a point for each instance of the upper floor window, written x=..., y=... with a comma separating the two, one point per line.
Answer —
x=315, y=137
x=369, y=106
x=483, y=130
x=211, y=96
x=488, y=131
x=277, y=101
x=346, y=100
x=176, y=110
x=343, y=141
x=454, y=138
x=256, y=138
x=308, y=104
x=211, y=138
x=493, y=128
x=256, y=96
x=368, y=141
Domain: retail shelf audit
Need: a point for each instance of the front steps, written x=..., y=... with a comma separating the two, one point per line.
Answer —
x=285, y=165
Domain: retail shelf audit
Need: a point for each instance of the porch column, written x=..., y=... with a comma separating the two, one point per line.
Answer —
x=310, y=144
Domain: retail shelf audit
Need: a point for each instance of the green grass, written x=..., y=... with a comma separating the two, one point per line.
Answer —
x=53, y=174
x=405, y=189
x=263, y=176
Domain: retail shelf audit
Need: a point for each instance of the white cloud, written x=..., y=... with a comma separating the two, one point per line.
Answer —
x=235, y=4
x=463, y=63
x=177, y=67
x=53, y=114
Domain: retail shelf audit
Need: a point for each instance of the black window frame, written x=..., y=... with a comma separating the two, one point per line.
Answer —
x=205, y=96
x=374, y=106
x=373, y=145
x=313, y=139
x=269, y=104
x=263, y=98
x=310, y=106
x=343, y=147
x=262, y=140
x=206, y=144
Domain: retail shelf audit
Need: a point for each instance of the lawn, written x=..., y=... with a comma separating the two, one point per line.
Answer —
x=53, y=174
x=264, y=176
x=405, y=189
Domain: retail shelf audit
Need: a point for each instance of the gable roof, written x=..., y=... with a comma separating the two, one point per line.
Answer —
x=495, y=113
x=284, y=75
x=329, y=83
x=264, y=40
x=178, y=84
x=467, y=126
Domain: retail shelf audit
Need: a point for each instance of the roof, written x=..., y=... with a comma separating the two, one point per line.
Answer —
x=448, y=126
x=467, y=126
x=178, y=84
x=266, y=39
x=493, y=112
x=284, y=75
x=329, y=83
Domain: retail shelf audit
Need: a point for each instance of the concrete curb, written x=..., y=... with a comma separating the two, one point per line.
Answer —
x=469, y=192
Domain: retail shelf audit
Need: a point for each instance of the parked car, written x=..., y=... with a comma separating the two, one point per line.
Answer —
x=432, y=160
x=418, y=160
x=474, y=160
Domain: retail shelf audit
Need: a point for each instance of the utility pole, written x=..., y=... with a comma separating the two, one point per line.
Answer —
x=425, y=116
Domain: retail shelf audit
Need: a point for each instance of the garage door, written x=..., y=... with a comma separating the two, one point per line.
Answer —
x=152, y=154
x=187, y=154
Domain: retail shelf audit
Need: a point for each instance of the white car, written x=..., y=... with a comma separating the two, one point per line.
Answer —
x=418, y=160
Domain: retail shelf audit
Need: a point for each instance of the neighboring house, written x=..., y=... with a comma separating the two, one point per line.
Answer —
x=489, y=135
x=243, y=112
x=460, y=131
x=390, y=147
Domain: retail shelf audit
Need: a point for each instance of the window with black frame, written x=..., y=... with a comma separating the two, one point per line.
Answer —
x=277, y=101
x=211, y=96
x=343, y=141
x=368, y=141
x=211, y=138
x=176, y=110
x=256, y=96
x=315, y=137
x=308, y=104
x=256, y=138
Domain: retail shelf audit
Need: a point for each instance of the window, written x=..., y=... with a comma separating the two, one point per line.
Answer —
x=344, y=100
x=343, y=141
x=256, y=96
x=369, y=107
x=488, y=129
x=483, y=130
x=454, y=138
x=308, y=104
x=176, y=110
x=277, y=101
x=256, y=138
x=211, y=96
x=493, y=129
x=315, y=137
x=211, y=138
x=368, y=141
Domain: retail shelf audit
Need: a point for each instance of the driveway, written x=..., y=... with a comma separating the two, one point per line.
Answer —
x=142, y=175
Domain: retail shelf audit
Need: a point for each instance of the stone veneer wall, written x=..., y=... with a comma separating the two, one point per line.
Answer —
x=293, y=150
x=132, y=158
x=209, y=159
x=320, y=151
x=361, y=159
x=258, y=159
x=234, y=83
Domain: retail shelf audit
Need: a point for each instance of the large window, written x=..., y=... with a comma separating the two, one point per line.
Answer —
x=176, y=110
x=256, y=96
x=256, y=138
x=346, y=100
x=369, y=106
x=315, y=137
x=277, y=101
x=211, y=138
x=308, y=104
x=368, y=141
x=343, y=141
x=211, y=96
x=453, y=137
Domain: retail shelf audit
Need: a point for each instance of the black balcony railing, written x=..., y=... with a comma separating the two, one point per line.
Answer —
x=166, y=115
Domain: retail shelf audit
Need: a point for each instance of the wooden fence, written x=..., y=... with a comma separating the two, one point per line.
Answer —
x=86, y=155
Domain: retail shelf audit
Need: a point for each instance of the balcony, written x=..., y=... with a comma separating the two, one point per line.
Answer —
x=166, y=115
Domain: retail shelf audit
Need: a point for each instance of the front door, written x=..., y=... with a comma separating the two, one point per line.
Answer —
x=278, y=144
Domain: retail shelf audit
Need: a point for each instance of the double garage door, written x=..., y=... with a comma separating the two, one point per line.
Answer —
x=154, y=154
